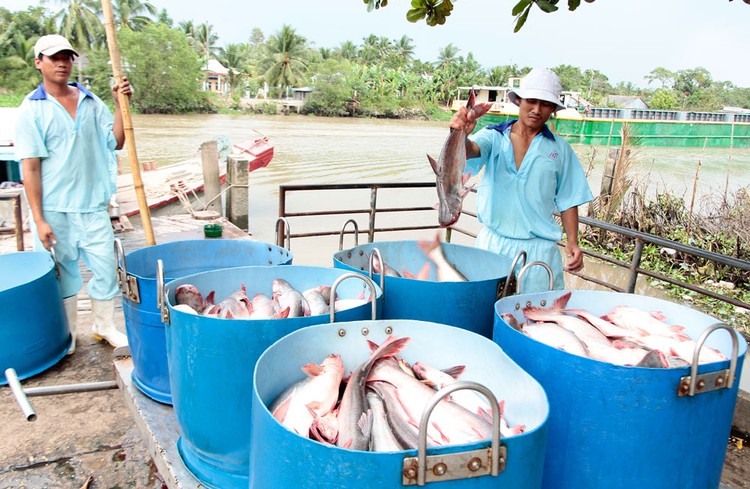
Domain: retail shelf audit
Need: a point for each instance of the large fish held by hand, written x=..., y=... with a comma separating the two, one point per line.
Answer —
x=449, y=169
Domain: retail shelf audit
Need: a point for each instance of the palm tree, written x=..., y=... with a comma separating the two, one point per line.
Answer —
x=447, y=55
x=284, y=57
x=133, y=14
x=206, y=38
x=405, y=48
x=235, y=58
x=348, y=50
x=78, y=21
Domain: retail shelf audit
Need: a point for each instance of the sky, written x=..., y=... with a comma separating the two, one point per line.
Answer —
x=623, y=39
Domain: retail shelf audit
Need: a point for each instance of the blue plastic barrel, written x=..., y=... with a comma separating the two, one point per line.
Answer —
x=143, y=323
x=281, y=459
x=624, y=427
x=34, y=333
x=211, y=363
x=468, y=305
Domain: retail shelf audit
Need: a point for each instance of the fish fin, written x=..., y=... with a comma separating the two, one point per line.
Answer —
x=472, y=99
x=281, y=411
x=434, y=164
x=455, y=371
x=423, y=273
x=313, y=369
x=373, y=346
x=561, y=301
x=677, y=328
x=465, y=191
x=465, y=178
x=481, y=109
x=501, y=405
x=210, y=298
x=365, y=423
x=658, y=315
x=485, y=414
x=313, y=407
x=284, y=313
x=443, y=436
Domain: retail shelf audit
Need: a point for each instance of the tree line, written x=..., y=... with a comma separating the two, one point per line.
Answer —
x=377, y=77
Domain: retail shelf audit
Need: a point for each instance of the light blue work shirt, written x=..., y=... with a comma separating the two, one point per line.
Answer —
x=517, y=206
x=75, y=154
x=520, y=203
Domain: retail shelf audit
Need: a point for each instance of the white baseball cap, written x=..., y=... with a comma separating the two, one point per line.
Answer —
x=52, y=44
x=540, y=84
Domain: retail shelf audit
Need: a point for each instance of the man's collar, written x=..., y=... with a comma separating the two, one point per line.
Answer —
x=41, y=94
x=502, y=127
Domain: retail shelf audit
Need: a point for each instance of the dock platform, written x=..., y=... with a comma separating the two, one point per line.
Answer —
x=159, y=429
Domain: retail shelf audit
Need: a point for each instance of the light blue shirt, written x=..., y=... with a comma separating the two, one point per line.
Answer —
x=75, y=154
x=520, y=204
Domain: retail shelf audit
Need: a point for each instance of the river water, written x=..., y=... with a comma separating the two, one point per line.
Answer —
x=337, y=150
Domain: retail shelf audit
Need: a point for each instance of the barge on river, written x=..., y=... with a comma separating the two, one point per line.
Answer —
x=581, y=123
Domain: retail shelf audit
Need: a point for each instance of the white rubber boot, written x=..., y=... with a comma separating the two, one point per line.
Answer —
x=71, y=313
x=103, y=327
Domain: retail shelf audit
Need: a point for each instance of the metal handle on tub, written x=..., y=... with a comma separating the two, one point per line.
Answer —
x=370, y=284
x=356, y=234
x=461, y=465
x=709, y=381
x=287, y=233
x=509, y=278
x=161, y=302
x=533, y=264
x=127, y=283
x=54, y=259
x=376, y=252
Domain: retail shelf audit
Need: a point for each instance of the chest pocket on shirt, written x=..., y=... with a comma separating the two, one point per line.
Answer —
x=542, y=178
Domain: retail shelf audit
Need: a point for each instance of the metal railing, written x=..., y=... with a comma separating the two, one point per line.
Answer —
x=633, y=268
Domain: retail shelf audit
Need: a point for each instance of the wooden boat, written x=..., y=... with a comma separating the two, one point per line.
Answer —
x=184, y=181
x=259, y=152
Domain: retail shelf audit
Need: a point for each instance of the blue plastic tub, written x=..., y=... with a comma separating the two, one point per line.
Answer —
x=468, y=305
x=624, y=427
x=34, y=332
x=281, y=459
x=137, y=272
x=211, y=363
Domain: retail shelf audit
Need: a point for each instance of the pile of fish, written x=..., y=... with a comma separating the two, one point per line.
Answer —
x=446, y=272
x=285, y=302
x=625, y=336
x=382, y=404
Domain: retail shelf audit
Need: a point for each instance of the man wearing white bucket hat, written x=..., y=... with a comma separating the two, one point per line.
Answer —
x=529, y=173
x=65, y=139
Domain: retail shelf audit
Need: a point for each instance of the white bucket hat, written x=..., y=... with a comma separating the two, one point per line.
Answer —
x=540, y=84
x=52, y=44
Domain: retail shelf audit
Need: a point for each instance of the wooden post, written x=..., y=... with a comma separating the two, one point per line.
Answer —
x=211, y=183
x=238, y=202
x=608, y=177
x=135, y=167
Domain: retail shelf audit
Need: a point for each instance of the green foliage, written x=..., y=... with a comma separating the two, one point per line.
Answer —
x=662, y=99
x=163, y=69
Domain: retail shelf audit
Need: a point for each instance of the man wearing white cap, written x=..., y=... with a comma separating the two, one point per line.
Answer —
x=528, y=174
x=65, y=137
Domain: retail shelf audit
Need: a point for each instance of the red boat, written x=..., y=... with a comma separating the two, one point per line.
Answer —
x=259, y=152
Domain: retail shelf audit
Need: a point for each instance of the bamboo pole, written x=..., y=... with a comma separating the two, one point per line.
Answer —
x=135, y=168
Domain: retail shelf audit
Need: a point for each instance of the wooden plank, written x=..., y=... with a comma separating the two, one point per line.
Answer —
x=159, y=429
